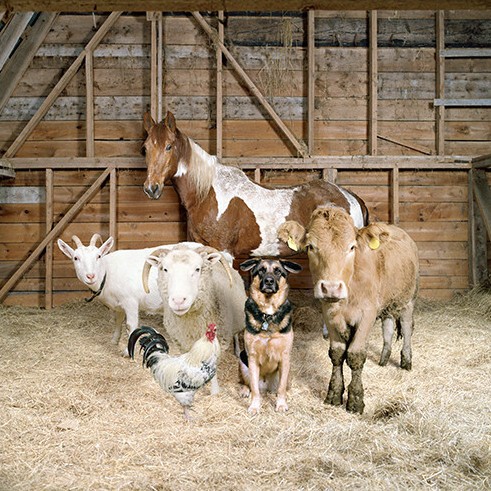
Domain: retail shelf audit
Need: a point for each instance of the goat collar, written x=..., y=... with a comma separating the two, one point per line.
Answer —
x=266, y=320
x=97, y=292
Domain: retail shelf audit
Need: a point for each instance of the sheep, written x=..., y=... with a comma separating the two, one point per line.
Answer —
x=115, y=279
x=196, y=291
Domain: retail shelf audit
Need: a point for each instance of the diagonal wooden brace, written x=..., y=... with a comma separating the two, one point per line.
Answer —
x=300, y=146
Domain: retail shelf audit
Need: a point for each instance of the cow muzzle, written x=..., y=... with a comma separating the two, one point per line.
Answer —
x=331, y=291
x=153, y=191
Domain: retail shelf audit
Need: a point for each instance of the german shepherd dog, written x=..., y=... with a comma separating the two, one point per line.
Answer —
x=268, y=338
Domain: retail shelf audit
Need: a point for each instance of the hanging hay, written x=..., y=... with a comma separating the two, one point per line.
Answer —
x=76, y=415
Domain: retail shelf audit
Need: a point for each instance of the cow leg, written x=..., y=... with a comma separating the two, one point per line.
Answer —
x=337, y=353
x=407, y=324
x=387, y=333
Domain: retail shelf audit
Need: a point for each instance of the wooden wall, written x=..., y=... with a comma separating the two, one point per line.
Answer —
x=272, y=49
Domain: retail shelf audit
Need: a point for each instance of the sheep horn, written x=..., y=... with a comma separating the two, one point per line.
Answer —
x=223, y=261
x=93, y=240
x=146, y=269
x=77, y=241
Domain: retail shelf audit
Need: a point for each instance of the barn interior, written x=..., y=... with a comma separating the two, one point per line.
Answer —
x=391, y=102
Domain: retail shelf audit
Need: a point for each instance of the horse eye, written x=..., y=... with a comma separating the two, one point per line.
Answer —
x=168, y=147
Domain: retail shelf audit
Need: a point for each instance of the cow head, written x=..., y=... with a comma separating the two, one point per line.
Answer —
x=330, y=240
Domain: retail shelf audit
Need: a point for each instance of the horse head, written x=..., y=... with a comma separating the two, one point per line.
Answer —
x=162, y=153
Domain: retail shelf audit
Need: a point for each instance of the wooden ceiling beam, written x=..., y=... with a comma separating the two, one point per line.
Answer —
x=235, y=5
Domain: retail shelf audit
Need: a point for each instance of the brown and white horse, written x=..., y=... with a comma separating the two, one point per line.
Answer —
x=225, y=209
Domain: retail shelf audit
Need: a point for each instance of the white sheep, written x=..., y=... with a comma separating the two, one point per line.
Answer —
x=197, y=290
x=115, y=279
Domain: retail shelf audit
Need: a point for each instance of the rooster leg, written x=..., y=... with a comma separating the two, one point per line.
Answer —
x=215, y=388
x=187, y=415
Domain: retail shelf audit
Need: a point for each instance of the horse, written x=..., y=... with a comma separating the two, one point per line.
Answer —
x=225, y=209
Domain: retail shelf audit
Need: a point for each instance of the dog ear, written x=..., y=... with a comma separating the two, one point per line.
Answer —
x=291, y=267
x=249, y=264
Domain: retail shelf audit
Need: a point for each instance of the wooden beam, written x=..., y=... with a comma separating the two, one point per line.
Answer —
x=440, y=82
x=160, y=66
x=237, y=5
x=311, y=80
x=219, y=101
x=89, y=105
x=151, y=16
x=359, y=162
x=482, y=195
x=20, y=60
x=394, y=193
x=299, y=146
x=373, y=83
x=440, y=103
x=113, y=193
x=2, y=14
x=481, y=162
x=59, y=87
x=412, y=146
x=48, y=257
x=466, y=53
x=10, y=35
x=55, y=231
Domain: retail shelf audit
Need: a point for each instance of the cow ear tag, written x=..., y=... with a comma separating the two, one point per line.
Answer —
x=291, y=244
x=374, y=243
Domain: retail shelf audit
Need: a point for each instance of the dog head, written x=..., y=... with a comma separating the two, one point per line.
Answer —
x=269, y=275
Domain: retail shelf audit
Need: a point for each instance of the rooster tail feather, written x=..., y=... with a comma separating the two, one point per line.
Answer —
x=150, y=342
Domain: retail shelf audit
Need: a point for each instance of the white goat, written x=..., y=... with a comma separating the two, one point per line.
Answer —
x=196, y=290
x=115, y=279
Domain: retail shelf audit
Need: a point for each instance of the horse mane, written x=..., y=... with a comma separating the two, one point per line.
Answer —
x=201, y=169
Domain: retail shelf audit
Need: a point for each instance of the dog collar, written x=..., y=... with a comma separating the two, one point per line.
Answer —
x=267, y=319
x=97, y=292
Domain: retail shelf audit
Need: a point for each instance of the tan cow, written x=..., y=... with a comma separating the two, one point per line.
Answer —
x=358, y=275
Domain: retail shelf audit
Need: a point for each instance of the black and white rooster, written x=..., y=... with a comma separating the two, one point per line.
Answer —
x=181, y=375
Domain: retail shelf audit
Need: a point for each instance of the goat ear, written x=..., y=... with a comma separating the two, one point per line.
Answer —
x=106, y=247
x=65, y=248
x=249, y=264
x=290, y=266
x=148, y=122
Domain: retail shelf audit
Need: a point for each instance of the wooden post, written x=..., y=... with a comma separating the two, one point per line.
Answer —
x=330, y=175
x=394, y=191
x=219, y=102
x=311, y=80
x=48, y=257
x=373, y=84
x=257, y=175
x=440, y=82
x=57, y=229
x=160, y=66
x=153, y=68
x=113, y=193
x=89, y=104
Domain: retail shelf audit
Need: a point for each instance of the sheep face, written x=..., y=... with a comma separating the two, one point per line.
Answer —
x=89, y=268
x=180, y=273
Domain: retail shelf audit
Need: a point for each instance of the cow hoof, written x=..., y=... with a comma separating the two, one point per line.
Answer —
x=384, y=359
x=406, y=364
x=355, y=405
x=334, y=399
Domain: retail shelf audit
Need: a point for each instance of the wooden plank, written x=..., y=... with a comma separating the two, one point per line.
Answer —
x=465, y=52
x=311, y=79
x=219, y=87
x=51, y=235
x=395, y=196
x=373, y=83
x=11, y=34
x=113, y=222
x=48, y=258
x=299, y=146
x=16, y=66
x=482, y=195
x=462, y=102
x=96, y=39
x=89, y=105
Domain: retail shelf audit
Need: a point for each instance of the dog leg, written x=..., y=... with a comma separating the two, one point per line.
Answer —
x=284, y=370
x=255, y=405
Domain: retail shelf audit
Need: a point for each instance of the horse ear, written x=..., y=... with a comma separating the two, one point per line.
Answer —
x=148, y=122
x=170, y=122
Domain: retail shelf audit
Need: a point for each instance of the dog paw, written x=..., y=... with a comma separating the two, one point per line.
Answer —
x=254, y=408
x=244, y=391
x=281, y=407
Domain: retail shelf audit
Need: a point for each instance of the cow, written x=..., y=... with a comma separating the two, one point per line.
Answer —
x=358, y=275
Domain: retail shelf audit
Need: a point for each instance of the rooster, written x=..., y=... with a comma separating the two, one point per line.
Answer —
x=181, y=375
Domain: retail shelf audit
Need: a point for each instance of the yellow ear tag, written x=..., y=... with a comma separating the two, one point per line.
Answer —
x=374, y=243
x=291, y=244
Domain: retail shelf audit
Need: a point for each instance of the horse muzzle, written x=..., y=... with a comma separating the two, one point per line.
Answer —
x=153, y=191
